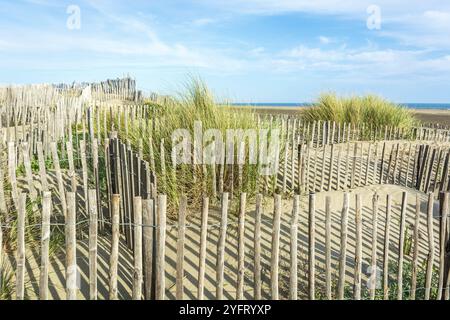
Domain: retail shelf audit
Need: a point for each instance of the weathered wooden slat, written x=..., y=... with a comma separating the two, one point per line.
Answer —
x=343, y=249
x=401, y=246
x=312, y=247
x=430, y=258
x=257, y=248
x=20, y=258
x=274, y=261
x=387, y=235
x=442, y=244
x=114, y=256
x=374, y=268
x=358, y=248
x=161, y=248
x=93, y=244
x=71, y=248
x=180, y=247
x=415, y=263
x=203, y=243
x=221, y=247
x=137, y=272
x=328, y=270
x=293, y=285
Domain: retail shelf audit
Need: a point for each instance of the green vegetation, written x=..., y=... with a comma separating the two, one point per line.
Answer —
x=7, y=284
x=371, y=110
x=196, y=104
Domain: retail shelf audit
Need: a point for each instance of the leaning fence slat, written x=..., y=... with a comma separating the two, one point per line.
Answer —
x=114, y=257
x=180, y=247
x=45, y=243
x=343, y=248
x=221, y=247
x=312, y=247
x=274, y=261
x=20, y=259
x=61, y=189
x=293, y=292
x=257, y=248
x=203, y=243
x=387, y=235
x=401, y=245
x=430, y=259
x=373, y=278
x=93, y=239
x=241, y=248
x=137, y=273
x=443, y=243
x=42, y=170
x=358, y=249
x=161, y=248
x=415, y=263
x=71, y=248
x=328, y=247
x=148, y=246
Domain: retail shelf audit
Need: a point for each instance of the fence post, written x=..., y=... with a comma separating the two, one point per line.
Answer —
x=312, y=246
x=148, y=238
x=430, y=261
x=328, y=247
x=294, y=248
x=343, y=254
x=358, y=248
x=161, y=248
x=373, y=278
x=415, y=264
x=401, y=245
x=61, y=189
x=93, y=238
x=221, y=247
x=203, y=243
x=137, y=273
x=84, y=168
x=45, y=242
x=71, y=248
x=114, y=257
x=387, y=234
x=257, y=249
x=442, y=240
x=20, y=260
x=180, y=247
x=274, y=261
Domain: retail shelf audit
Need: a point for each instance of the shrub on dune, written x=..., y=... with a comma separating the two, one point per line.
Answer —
x=371, y=109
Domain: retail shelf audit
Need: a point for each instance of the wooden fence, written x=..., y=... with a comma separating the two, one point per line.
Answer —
x=69, y=172
x=258, y=251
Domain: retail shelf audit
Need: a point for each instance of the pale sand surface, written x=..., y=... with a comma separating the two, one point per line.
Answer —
x=57, y=269
x=57, y=265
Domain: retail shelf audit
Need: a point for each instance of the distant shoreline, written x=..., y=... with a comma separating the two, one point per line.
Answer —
x=427, y=115
x=414, y=106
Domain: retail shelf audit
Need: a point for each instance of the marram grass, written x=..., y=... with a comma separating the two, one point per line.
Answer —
x=195, y=104
x=371, y=110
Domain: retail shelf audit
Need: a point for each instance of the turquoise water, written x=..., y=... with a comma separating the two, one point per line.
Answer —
x=437, y=106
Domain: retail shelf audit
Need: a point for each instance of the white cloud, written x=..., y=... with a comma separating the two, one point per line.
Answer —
x=424, y=24
x=325, y=40
x=203, y=22
x=368, y=62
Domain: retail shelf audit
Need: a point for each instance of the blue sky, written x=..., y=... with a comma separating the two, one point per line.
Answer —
x=246, y=50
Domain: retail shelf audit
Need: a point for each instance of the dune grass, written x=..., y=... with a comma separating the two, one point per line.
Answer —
x=371, y=109
x=195, y=104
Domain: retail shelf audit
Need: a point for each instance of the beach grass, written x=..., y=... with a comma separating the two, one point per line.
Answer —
x=370, y=109
x=195, y=104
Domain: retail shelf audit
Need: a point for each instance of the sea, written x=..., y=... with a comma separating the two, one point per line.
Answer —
x=435, y=106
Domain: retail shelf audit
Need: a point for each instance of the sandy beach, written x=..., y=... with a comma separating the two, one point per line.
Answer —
x=427, y=116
